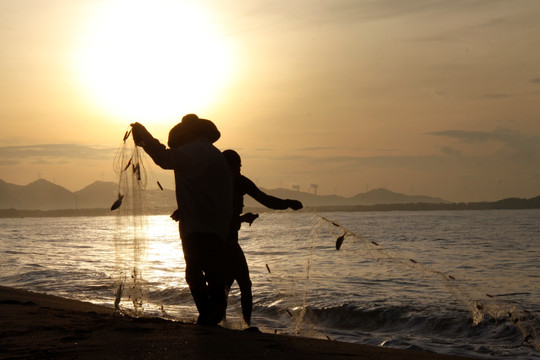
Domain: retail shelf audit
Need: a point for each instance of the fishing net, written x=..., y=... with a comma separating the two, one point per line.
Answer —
x=291, y=281
x=130, y=241
x=481, y=305
x=292, y=286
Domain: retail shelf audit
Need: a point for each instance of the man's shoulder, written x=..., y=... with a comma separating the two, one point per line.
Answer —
x=244, y=180
x=246, y=185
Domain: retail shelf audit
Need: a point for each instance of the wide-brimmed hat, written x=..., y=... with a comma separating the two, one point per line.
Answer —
x=190, y=128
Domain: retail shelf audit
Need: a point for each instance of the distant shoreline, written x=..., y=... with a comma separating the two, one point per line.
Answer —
x=506, y=204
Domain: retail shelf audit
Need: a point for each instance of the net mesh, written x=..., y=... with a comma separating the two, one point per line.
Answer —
x=130, y=241
x=481, y=305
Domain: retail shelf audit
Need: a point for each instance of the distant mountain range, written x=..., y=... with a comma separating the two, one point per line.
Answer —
x=372, y=197
x=44, y=195
x=43, y=198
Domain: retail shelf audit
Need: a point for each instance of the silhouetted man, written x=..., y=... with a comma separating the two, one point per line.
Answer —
x=236, y=261
x=204, y=197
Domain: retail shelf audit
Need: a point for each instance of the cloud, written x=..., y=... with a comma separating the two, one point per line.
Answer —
x=341, y=149
x=53, y=153
x=452, y=152
x=306, y=13
x=469, y=137
x=516, y=150
x=496, y=96
x=320, y=148
x=8, y=162
x=517, y=146
x=509, y=137
x=420, y=162
x=357, y=163
x=365, y=10
x=536, y=80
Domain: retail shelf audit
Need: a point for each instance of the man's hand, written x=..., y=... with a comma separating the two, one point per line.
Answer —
x=176, y=215
x=140, y=134
x=295, y=204
x=248, y=218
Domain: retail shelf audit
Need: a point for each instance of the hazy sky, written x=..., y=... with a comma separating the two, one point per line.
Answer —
x=425, y=97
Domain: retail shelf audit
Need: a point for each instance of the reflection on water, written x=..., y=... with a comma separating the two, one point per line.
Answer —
x=148, y=261
x=164, y=257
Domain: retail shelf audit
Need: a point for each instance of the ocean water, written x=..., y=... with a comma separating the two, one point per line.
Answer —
x=453, y=282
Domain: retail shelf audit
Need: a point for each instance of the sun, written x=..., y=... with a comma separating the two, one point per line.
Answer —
x=150, y=61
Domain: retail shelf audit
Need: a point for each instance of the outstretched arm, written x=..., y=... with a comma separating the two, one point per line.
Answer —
x=269, y=201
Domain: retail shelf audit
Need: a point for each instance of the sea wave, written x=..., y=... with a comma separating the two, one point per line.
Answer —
x=370, y=292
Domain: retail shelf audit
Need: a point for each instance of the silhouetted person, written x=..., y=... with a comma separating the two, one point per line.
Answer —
x=204, y=197
x=236, y=260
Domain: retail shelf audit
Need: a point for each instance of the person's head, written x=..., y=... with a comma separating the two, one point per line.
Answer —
x=191, y=128
x=234, y=161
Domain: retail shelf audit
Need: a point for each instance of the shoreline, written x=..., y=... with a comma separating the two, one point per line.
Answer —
x=36, y=325
x=14, y=213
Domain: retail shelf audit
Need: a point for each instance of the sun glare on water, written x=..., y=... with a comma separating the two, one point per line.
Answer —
x=150, y=61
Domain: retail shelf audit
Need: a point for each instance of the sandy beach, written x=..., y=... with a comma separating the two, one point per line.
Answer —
x=35, y=325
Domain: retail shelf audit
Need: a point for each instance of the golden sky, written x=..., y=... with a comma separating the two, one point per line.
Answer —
x=435, y=98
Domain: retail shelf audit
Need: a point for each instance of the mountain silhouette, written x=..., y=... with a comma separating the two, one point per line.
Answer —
x=96, y=195
x=40, y=194
x=44, y=195
x=43, y=198
x=372, y=197
x=383, y=196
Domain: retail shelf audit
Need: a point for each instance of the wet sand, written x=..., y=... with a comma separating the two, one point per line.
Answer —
x=39, y=326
